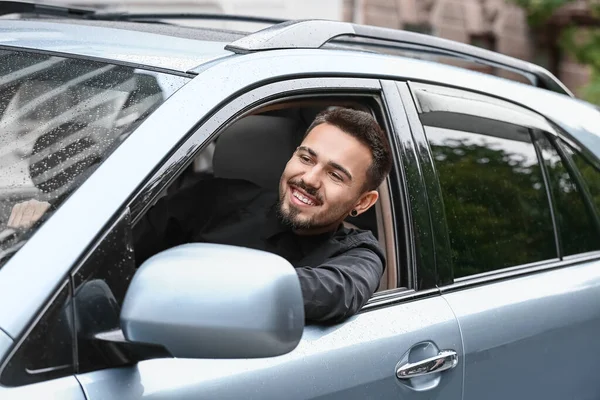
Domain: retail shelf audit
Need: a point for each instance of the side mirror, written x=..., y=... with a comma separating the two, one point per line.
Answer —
x=215, y=301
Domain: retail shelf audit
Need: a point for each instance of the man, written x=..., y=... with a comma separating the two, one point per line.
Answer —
x=333, y=174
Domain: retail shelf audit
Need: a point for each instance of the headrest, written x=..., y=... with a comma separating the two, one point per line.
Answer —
x=256, y=148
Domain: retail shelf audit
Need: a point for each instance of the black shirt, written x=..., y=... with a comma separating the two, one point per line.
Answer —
x=339, y=271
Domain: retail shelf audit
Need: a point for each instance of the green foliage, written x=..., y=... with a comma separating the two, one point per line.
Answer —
x=539, y=11
x=583, y=43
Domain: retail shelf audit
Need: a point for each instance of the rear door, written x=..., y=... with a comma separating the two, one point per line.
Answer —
x=522, y=242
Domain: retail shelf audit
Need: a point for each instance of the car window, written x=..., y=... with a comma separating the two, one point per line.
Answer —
x=578, y=231
x=47, y=352
x=590, y=173
x=59, y=119
x=493, y=191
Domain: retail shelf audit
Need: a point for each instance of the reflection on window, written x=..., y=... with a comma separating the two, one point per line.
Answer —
x=494, y=197
x=59, y=119
x=576, y=224
x=589, y=173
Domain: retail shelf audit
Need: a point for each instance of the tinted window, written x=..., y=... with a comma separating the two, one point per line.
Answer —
x=588, y=171
x=494, y=195
x=59, y=118
x=99, y=290
x=576, y=224
x=47, y=352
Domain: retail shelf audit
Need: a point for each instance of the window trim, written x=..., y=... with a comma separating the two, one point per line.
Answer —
x=582, y=186
x=183, y=155
x=428, y=97
x=440, y=239
x=549, y=191
x=519, y=271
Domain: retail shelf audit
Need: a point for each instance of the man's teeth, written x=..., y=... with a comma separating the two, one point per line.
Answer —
x=303, y=199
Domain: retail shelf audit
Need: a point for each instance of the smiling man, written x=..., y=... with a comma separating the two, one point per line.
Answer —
x=332, y=175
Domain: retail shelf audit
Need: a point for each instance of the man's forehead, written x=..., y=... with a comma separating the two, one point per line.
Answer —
x=333, y=139
x=331, y=144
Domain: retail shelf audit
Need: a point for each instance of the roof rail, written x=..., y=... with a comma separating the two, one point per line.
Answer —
x=24, y=7
x=313, y=34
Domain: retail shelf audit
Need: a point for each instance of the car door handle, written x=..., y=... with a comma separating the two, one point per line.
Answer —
x=446, y=359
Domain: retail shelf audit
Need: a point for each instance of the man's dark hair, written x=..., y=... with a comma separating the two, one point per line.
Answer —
x=364, y=127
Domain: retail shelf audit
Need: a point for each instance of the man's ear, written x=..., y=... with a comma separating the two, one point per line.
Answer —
x=365, y=201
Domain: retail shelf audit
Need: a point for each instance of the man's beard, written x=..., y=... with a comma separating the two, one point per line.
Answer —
x=290, y=216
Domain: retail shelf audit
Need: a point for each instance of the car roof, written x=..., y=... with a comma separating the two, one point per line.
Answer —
x=152, y=46
x=184, y=50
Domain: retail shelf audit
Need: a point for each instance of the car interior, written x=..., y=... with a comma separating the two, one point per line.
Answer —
x=257, y=147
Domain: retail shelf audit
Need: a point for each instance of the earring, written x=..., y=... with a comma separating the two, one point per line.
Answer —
x=353, y=213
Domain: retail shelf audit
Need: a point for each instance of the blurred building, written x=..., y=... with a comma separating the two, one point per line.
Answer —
x=497, y=25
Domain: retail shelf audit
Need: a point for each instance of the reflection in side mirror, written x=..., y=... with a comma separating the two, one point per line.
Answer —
x=215, y=301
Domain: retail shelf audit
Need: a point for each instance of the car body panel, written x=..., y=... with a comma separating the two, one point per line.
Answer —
x=533, y=336
x=353, y=360
x=5, y=342
x=139, y=48
x=223, y=81
x=67, y=388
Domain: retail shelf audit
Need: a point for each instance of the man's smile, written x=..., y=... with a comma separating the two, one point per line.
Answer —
x=301, y=198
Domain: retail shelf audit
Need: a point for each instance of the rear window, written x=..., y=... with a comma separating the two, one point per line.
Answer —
x=495, y=200
x=59, y=119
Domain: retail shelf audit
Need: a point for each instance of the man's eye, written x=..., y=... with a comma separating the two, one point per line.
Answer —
x=336, y=176
x=304, y=158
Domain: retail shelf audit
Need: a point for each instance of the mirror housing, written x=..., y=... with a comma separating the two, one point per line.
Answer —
x=215, y=301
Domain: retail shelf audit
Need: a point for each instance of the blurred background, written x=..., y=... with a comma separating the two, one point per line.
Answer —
x=560, y=35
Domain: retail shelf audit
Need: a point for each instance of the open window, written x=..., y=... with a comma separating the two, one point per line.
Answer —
x=257, y=146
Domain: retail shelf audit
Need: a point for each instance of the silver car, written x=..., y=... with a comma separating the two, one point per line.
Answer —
x=490, y=219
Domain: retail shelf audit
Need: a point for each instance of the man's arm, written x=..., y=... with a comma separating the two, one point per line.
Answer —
x=338, y=288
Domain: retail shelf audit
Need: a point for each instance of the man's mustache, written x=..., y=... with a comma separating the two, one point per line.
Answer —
x=314, y=192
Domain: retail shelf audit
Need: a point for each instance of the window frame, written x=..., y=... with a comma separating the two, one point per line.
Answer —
x=560, y=143
x=535, y=121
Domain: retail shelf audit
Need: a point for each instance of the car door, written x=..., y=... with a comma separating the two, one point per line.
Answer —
x=407, y=332
x=522, y=238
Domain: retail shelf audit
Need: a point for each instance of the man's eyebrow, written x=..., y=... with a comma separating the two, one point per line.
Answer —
x=308, y=150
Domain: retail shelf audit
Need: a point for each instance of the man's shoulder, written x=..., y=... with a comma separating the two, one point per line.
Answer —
x=353, y=237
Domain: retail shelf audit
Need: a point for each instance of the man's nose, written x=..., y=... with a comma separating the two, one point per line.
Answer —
x=312, y=177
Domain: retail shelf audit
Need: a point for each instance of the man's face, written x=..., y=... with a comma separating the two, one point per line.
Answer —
x=324, y=180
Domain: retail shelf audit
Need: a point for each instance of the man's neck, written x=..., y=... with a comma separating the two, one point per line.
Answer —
x=317, y=231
